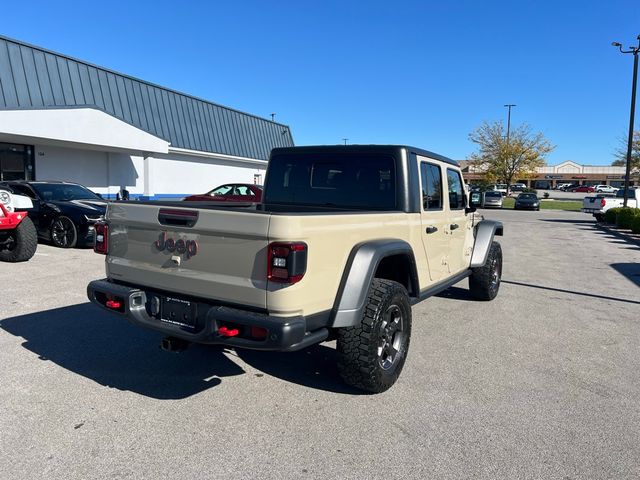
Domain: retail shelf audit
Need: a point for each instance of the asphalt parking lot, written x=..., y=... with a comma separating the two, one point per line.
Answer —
x=543, y=382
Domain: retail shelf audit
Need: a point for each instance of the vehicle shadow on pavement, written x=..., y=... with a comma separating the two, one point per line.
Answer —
x=456, y=293
x=564, y=220
x=630, y=270
x=116, y=354
x=314, y=367
x=571, y=292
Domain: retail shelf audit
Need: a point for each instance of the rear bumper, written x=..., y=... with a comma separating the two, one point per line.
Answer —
x=592, y=210
x=283, y=333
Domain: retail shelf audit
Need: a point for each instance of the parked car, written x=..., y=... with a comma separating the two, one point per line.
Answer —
x=18, y=241
x=498, y=187
x=492, y=199
x=230, y=192
x=583, y=189
x=605, y=189
x=518, y=187
x=63, y=212
x=598, y=205
x=317, y=261
x=529, y=201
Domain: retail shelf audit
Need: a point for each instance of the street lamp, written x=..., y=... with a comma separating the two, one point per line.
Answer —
x=635, y=51
x=509, y=105
x=345, y=140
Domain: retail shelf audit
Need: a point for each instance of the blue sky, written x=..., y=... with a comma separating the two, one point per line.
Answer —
x=410, y=72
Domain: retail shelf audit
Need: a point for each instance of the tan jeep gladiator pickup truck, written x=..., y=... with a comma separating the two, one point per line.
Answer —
x=345, y=240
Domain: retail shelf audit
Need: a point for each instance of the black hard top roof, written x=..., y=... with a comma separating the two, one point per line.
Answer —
x=390, y=149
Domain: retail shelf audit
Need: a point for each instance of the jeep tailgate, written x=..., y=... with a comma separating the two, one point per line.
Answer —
x=217, y=254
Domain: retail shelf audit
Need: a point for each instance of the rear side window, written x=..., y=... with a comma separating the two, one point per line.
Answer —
x=347, y=182
x=456, y=192
x=431, y=186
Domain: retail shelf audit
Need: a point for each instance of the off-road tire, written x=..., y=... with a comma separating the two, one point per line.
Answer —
x=372, y=354
x=484, y=281
x=64, y=233
x=24, y=243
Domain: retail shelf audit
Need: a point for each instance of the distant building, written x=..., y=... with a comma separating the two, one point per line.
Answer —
x=565, y=172
x=65, y=119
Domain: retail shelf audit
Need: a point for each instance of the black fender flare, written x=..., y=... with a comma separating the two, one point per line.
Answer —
x=485, y=231
x=360, y=271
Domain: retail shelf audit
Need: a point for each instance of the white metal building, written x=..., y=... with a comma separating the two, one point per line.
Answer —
x=64, y=119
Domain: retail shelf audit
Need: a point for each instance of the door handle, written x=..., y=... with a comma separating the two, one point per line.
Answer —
x=432, y=229
x=453, y=226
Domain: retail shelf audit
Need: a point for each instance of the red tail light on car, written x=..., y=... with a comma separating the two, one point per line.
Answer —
x=603, y=202
x=101, y=244
x=287, y=262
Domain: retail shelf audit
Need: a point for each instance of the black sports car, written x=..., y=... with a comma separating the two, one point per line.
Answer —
x=63, y=212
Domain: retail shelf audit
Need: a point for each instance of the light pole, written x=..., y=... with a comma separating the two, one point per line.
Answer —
x=509, y=105
x=345, y=140
x=635, y=51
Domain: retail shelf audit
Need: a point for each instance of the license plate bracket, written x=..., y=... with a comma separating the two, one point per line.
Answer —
x=179, y=312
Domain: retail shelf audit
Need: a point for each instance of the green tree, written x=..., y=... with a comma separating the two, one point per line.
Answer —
x=508, y=160
x=621, y=153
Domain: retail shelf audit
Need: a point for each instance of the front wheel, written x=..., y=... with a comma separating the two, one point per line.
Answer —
x=21, y=244
x=484, y=281
x=371, y=355
x=64, y=233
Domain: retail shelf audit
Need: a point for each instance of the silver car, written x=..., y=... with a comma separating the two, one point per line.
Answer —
x=492, y=199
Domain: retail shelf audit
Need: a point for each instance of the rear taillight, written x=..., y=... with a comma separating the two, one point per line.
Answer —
x=287, y=262
x=603, y=202
x=101, y=244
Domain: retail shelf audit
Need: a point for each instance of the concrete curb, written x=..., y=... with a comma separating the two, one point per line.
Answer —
x=629, y=237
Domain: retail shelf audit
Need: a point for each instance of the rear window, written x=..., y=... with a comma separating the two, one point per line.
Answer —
x=348, y=182
x=493, y=194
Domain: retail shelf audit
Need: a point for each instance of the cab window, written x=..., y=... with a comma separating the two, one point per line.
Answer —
x=456, y=192
x=431, y=186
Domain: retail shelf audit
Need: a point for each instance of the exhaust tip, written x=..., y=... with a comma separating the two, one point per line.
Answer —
x=173, y=344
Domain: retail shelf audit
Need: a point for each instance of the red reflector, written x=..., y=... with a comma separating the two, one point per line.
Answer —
x=279, y=273
x=113, y=304
x=228, y=332
x=259, y=333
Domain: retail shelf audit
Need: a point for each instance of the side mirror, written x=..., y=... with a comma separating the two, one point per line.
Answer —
x=99, y=195
x=469, y=210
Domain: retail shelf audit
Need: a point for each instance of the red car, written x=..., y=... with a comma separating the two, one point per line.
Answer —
x=583, y=189
x=231, y=192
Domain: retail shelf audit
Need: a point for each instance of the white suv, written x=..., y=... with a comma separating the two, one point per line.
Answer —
x=605, y=189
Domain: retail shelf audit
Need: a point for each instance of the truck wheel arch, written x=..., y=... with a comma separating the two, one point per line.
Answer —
x=485, y=231
x=390, y=259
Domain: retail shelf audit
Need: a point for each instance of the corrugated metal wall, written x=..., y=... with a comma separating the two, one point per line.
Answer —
x=31, y=77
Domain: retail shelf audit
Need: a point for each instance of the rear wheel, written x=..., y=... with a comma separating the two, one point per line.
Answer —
x=64, y=233
x=372, y=354
x=484, y=281
x=21, y=244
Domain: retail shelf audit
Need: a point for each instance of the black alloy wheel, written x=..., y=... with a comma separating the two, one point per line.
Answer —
x=392, y=335
x=484, y=281
x=371, y=355
x=64, y=233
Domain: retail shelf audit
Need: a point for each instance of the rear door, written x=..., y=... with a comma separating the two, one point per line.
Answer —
x=458, y=225
x=217, y=254
x=434, y=218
